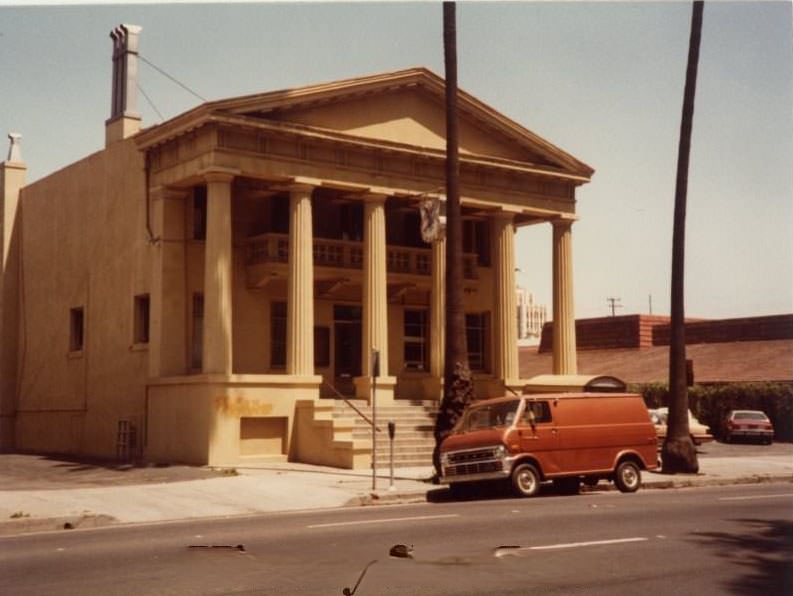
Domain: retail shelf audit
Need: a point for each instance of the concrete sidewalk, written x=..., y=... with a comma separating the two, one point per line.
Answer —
x=42, y=503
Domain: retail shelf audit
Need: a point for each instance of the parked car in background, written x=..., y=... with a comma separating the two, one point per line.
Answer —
x=748, y=424
x=699, y=432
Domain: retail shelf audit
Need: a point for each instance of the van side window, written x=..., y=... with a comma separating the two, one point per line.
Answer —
x=541, y=410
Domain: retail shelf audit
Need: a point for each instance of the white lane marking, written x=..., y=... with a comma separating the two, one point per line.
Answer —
x=384, y=520
x=749, y=498
x=580, y=544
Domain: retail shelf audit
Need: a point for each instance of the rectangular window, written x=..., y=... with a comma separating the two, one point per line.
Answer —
x=278, y=335
x=197, y=351
x=416, y=345
x=200, y=213
x=476, y=240
x=141, y=319
x=321, y=347
x=76, y=329
x=476, y=334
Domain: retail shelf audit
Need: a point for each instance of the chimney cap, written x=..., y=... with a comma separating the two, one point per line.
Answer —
x=15, y=147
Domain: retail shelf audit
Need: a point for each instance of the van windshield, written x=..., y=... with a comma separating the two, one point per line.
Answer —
x=488, y=416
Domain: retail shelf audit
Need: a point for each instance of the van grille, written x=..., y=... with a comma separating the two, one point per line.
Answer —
x=476, y=461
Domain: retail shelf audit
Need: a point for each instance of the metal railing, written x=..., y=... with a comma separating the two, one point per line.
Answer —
x=345, y=254
x=352, y=405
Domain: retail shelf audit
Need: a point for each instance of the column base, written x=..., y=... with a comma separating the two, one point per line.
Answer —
x=385, y=389
x=432, y=388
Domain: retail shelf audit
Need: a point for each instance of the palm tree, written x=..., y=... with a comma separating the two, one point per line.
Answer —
x=457, y=388
x=678, y=452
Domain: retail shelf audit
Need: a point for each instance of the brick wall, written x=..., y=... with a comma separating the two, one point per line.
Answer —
x=629, y=331
x=730, y=330
x=643, y=331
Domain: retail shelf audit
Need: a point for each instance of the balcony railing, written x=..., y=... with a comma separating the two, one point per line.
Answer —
x=274, y=248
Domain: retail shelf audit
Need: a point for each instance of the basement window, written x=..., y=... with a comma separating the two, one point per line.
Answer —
x=76, y=329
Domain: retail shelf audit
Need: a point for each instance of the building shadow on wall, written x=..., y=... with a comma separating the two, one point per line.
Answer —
x=762, y=551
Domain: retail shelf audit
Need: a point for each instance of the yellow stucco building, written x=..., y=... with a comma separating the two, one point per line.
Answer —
x=200, y=290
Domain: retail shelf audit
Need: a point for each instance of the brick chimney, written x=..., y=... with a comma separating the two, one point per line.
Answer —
x=13, y=172
x=124, y=118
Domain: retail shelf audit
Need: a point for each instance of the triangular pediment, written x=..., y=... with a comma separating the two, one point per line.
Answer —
x=410, y=116
x=406, y=107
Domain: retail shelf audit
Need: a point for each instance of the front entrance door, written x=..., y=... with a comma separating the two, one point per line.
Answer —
x=346, y=347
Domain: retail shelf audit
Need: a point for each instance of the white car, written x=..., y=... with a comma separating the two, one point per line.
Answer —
x=699, y=432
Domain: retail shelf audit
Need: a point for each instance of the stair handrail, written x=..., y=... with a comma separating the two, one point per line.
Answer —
x=349, y=403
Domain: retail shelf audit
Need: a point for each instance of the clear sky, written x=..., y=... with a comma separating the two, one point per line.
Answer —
x=603, y=81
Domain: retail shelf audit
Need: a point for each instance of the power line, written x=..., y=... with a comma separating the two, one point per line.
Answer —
x=151, y=103
x=614, y=303
x=165, y=74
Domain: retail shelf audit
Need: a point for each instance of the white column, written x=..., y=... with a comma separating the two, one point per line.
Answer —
x=375, y=289
x=217, y=355
x=375, y=300
x=506, y=325
x=167, y=322
x=564, y=341
x=300, y=293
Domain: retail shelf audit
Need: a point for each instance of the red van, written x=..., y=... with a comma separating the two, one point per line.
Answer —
x=567, y=438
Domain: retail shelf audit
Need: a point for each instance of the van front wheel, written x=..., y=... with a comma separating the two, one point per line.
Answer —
x=628, y=477
x=525, y=480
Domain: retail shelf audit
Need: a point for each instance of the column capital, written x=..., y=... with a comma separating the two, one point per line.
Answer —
x=219, y=174
x=168, y=192
x=300, y=187
x=502, y=215
x=374, y=197
x=564, y=221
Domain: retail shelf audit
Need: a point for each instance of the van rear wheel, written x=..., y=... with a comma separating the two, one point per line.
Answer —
x=628, y=477
x=525, y=480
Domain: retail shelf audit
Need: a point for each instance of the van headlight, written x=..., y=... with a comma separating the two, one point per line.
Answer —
x=444, y=459
x=500, y=452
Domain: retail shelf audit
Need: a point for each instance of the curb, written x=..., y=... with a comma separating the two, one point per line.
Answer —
x=30, y=525
x=404, y=498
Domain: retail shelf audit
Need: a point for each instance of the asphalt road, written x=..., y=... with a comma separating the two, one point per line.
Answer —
x=727, y=540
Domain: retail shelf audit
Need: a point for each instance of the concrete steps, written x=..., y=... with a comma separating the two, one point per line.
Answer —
x=413, y=440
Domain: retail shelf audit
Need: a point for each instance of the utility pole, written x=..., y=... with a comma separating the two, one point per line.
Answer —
x=614, y=304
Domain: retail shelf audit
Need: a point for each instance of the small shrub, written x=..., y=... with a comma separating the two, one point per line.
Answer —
x=19, y=514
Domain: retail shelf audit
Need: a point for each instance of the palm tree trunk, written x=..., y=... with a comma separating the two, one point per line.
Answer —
x=458, y=387
x=678, y=452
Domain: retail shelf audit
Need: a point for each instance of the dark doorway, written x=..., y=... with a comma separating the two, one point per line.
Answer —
x=346, y=347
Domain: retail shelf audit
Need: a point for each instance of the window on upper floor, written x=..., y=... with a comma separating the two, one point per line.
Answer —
x=76, y=329
x=197, y=332
x=278, y=335
x=200, y=213
x=140, y=323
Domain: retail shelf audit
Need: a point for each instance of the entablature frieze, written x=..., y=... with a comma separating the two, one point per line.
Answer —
x=285, y=160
